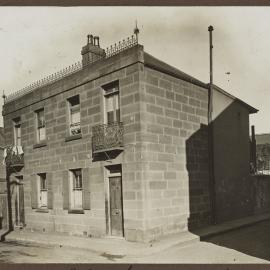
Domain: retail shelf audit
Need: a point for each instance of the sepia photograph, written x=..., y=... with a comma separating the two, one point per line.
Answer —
x=134, y=135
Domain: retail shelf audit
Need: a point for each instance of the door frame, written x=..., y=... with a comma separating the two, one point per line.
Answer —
x=107, y=175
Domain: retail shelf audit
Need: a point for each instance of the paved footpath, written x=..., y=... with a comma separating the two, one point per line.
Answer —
x=245, y=245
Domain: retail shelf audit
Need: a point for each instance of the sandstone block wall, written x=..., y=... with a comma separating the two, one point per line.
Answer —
x=174, y=116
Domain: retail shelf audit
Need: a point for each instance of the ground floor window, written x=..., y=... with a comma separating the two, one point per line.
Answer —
x=76, y=190
x=43, y=191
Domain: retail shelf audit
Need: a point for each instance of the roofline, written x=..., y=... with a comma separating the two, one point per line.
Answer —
x=173, y=72
x=250, y=108
x=170, y=70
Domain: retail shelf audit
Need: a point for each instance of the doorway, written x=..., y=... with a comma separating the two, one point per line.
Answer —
x=115, y=199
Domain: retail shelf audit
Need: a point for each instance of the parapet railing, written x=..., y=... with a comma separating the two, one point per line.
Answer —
x=110, y=51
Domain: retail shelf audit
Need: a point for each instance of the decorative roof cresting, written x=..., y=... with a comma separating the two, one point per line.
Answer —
x=110, y=51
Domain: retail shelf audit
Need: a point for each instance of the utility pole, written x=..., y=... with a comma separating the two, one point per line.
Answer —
x=210, y=29
x=210, y=133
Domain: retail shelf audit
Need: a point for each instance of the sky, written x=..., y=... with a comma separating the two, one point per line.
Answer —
x=39, y=41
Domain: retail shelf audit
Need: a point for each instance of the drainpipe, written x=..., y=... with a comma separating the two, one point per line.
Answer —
x=211, y=134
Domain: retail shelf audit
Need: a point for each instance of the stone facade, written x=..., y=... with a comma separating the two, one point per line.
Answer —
x=164, y=160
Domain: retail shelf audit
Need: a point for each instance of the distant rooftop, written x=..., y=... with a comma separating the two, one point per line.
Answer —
x=262, y=138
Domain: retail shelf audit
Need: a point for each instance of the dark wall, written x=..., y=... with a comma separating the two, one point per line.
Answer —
x=233, y=184
x=261, y=187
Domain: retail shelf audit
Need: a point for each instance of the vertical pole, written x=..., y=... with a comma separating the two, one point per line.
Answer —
x=211, y=134
x=136, y=32
x=210, y=29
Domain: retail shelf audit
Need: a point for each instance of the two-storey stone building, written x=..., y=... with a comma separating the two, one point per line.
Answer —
x=115, y=145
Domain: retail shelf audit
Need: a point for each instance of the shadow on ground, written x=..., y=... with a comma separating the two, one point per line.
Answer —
x=252, y=240
x=221, y=187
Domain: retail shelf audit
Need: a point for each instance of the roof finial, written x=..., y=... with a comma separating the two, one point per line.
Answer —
x=136, y=31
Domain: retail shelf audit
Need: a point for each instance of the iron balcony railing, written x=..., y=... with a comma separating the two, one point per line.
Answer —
x=14, y=156
x=107, y=137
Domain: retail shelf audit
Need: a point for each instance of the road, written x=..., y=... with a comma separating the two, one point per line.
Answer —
x=246, y=245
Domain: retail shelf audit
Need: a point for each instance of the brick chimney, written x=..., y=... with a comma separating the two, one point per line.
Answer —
x=92, y=51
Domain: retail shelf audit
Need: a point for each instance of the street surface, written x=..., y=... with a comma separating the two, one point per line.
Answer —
x=246, y=245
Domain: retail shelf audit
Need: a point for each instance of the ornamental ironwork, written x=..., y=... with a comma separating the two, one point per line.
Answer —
x=109, y=52
x=75, y=128
x=14, y=156
x=107, y=137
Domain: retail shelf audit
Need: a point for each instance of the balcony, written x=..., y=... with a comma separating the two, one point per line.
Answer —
x=14, y=157
x=107, y=137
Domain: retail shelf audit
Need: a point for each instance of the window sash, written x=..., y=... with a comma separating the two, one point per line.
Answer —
x=74, y=118
x=77, y=180
x=43, y=183
x=112, y=110
x=17, y=132
x=42, y=191
x=17, y=135
x=41, y=134
x=40, y=119
x=76, y=191
x=43, y=198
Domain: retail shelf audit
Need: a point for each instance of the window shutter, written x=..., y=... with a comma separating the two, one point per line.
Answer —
x=50, y=191
x=34, y=192
x=65, y=190
x=86, y=189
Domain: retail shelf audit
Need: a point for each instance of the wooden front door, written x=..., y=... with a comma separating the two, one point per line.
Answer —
x=116, y=212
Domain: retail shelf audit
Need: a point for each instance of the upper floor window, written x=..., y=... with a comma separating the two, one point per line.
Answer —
x=17, y=131
x=74, y=115
x=40, y=120
x=111, y=102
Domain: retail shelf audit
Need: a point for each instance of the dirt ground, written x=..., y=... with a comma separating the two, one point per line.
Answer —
x=246, y=245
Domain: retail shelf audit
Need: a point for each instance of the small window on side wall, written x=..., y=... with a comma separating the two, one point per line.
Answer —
x=40, y=123
x=74, y=115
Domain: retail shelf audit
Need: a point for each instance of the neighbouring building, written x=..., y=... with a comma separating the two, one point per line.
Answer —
x=263, y=153
x=3, y=186
x=118, y=145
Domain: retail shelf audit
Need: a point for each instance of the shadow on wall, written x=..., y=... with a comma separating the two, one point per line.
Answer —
x=198, y=171
x=235, y=193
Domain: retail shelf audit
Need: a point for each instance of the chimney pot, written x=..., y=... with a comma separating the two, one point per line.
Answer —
x=95, y=40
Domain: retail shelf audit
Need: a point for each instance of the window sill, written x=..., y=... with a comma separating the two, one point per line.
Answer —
x=41, y=144
x=42, y=210
x=73, y=137
x=76, y=211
